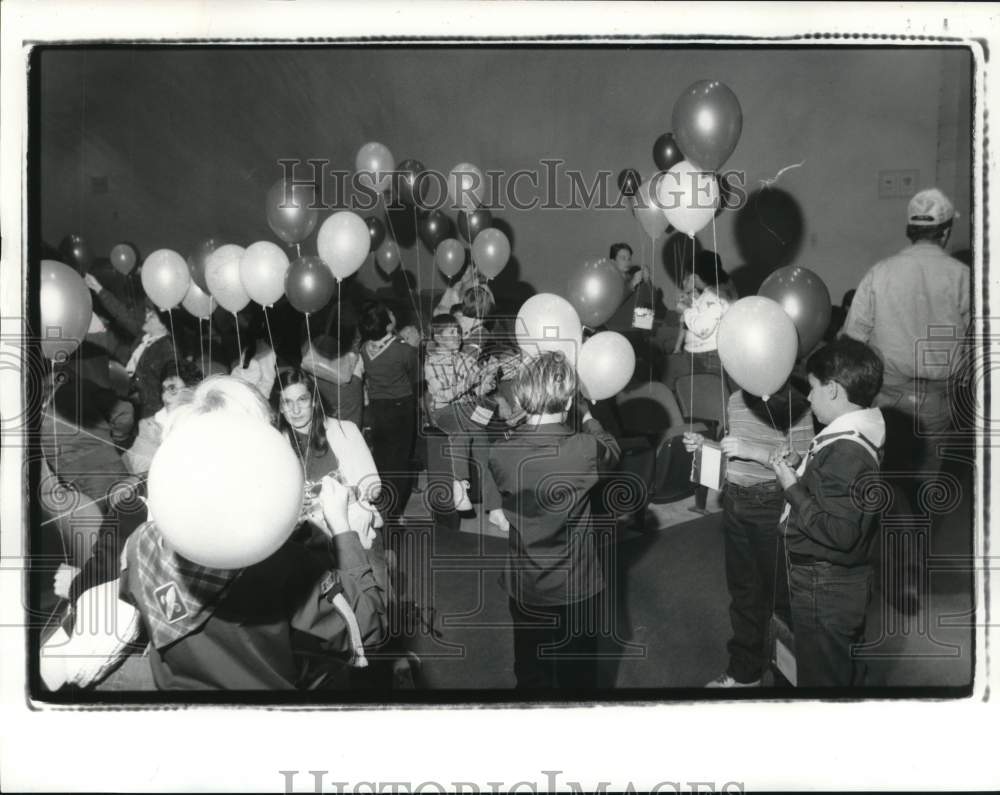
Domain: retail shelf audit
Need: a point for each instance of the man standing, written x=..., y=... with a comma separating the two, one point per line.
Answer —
x=914, y=309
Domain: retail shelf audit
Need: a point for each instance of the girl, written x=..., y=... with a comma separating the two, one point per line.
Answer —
x=707, y=297
x=391, y=370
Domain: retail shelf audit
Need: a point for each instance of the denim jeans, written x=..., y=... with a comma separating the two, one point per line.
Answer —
x=755, y=573
x=393, y=424
x=468, y=441
x=828, y=617
x=555, y=646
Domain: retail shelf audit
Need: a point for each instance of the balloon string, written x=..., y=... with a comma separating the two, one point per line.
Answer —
x=789, y=414
x=690, y=350
x=310, y=339
x=340, y=351
x=211, y=309
x=80, y=507
x=409, y=289
x=201, y=346
x=420, y=289
x=718, y=293
x=239, y=345
x=267, y=322
x=52, y=398
x=173, y=341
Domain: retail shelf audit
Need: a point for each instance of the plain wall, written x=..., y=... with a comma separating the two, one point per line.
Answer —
x=189, y=140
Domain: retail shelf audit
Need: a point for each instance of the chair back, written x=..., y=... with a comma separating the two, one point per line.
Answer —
x=648, y=409
x=702, y=397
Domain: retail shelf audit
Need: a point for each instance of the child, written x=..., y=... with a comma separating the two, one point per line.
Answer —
x=454, y=380
x=544, y=476
x=176, y=378
x=828, y=532
x=752, y=502
x=391, y=371
x=707, y=296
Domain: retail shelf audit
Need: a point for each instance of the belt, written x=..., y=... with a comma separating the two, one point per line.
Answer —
x=804, y=560
x=766, y=487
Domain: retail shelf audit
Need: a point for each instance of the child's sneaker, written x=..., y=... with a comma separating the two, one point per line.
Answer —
x=725, y=680
x=460, y=495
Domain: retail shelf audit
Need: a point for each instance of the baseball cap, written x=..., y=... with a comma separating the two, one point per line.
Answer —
x=930, y=208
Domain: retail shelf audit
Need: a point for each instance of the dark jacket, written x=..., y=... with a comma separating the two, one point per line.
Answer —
x=834, y=514
x=545, y=476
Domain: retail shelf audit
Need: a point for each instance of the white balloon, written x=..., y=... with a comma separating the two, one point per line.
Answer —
x=222, y=275
x=548, y=322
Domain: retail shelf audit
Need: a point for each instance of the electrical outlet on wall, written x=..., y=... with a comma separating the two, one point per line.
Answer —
x=908, y=180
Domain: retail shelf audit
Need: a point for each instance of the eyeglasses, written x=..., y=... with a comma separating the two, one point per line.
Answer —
x=288, y=404
x=172, y=389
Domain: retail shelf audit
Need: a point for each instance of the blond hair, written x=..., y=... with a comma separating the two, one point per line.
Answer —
x=545, y=384
x=223, y=393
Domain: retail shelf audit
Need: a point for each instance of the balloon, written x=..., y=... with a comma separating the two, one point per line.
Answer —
x=688, y=197
x=262, y=272
x=123, y=258
x=222, y=272
x=434, y=227
x=410, y=183
x=225, y=489
x=309, y=284
x=596, y=290
x=66, y=307
x=650, y=216
x=343, y=242
x=707, y=123
x=757, y=345
x=374, y=164
x=466, y=185
x=198, y=302
x=607, y=364
x=471, y=224
x=449, y=257
x=666, y=154
x=165, y=278
x=388, y=256
x=288, y=210
x=548, y=322
x=628, y=181
x=196, y=262
x=490, y=252
x=805, y=299
x=376, y=232
x=76, y=253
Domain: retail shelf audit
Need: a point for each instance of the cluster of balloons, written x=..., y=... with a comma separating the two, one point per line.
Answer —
x=605, y=363
x=761, y=336
x=707, y=122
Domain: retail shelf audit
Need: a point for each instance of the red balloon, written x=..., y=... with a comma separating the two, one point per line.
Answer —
x=288, y=210
x=66, y=307
x=449, y=257
x=707, y=123
x=471, y=224
x=123, y=258
x=196, y=262
x=434, y=227
x=490, y=252
x=666, y=153
x=376, y=230
x=629, y=181
x=309, y=284
x=806, y=300
x=596, y=290
x=388, y=256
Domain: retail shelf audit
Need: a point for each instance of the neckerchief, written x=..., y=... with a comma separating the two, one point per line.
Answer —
x=376, y=348
x=175, y=595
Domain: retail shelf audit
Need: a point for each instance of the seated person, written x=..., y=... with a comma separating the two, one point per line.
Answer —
x=177, y=379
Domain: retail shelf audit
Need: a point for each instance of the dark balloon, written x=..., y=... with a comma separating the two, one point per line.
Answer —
x=123, y=258
x=288, y=211
x=806, y=300
x=76, y=253
x=376, y=230
x=596, y=291
x=410, y=183
x=309, y=284
x=666, y=153
x=707, y=122
x=450, y=257
x=629, y=181
x=388, y=257
x=196, y=261
x=471, y=224
x=434, y=227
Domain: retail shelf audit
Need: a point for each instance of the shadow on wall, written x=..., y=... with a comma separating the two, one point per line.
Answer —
x=769, y=232
x=677, y=257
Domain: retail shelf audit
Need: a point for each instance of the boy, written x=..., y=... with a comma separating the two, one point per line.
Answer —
x=454, y=380
x=828, y=532
x=545, y=474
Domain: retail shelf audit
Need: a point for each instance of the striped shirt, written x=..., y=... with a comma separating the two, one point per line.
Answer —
x=749, y=426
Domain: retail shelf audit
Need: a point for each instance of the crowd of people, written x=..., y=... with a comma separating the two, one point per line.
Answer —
x=350, y=401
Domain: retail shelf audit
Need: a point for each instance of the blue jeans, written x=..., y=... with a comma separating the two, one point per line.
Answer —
x=755, y=573
x=829, y=604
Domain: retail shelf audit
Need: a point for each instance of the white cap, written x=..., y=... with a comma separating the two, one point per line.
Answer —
x=930, y=208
